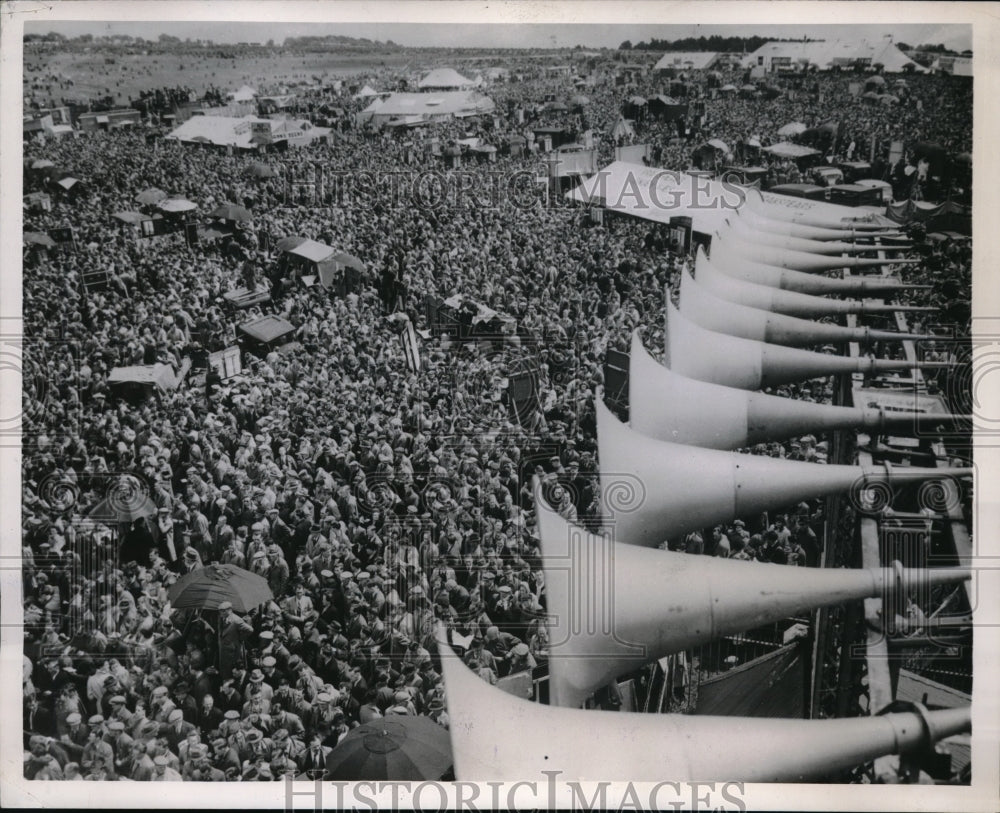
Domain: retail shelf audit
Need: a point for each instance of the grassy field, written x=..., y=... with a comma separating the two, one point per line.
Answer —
x=47, y=76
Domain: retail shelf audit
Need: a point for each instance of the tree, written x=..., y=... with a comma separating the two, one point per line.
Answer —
x=625, y=46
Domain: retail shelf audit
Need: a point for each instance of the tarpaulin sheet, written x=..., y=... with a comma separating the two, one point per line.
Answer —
x=770, y=686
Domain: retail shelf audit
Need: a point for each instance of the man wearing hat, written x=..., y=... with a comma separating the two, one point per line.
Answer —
x=184, y=701
x=234, y=631
x=163, y=771
x=95, y=744
x=255, y=746
x=258, y=685
x=120, y=742
x=436, y=711
x=191, y=561
x=75, y=737
x=521, y=659
x=277, y=574
x=176, y=730
x=118, y=710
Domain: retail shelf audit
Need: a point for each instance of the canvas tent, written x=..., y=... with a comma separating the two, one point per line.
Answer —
x=686, y=61
x=829, y=54
x=444, y=78
x=428, y=106
x=786, y=149
x=142, y=381
x=266, y=333
x=623, y=129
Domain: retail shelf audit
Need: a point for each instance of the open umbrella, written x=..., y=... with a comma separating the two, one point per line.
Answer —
x=126, y=501
x=792, y=128
x=719, y=144
x=177, y=205
x=230, y=211
x=397, y=748
x=288, y=243
x=208, y=587
x=38, y=239
x=580, y=100
x=638, y=101
x=150, y=196
x=130, y=217
x=728, y=88
x=348, y=260
x=42, y=163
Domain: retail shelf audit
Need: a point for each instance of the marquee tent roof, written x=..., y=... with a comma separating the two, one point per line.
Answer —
x=219, y=130
x=153, y=375
x=827, y=54
x=786, y=149
x=687, y=60
x=445, y=78
x=453, y=103
x=312, y=251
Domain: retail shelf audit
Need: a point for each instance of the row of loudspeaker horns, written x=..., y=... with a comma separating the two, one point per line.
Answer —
x=613, y=606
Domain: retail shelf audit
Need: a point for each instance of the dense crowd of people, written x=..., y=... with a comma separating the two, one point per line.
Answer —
x=376, y=500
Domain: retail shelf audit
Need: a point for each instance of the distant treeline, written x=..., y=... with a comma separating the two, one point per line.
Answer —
x=712, y=43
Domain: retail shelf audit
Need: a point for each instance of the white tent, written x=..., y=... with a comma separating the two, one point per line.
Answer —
x=831, y=54
x=441, y=78
x=623, y=129
x=366, y=92
x=244, y=94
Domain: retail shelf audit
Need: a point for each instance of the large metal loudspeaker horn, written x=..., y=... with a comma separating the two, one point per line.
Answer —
x=754, y=202
x=731, y=263
x=654, y=491
x=614, y=607
x=704, y=308
x=667, y=406
x=798, y=260
x=768, y=298
x=789, y=243
x=791, y=229
x=706, y=355
x=498, y=737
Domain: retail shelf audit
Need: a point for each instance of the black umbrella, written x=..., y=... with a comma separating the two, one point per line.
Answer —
x=349, y=260
x=208, y=587
x=397, y=748
x=288, y=243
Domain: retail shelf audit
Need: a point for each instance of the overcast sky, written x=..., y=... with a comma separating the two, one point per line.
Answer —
x=958, y=37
